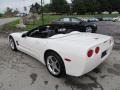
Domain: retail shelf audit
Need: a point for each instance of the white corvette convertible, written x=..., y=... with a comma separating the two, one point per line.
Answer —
x=63, y=51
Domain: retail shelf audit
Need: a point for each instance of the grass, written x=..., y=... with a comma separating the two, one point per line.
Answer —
x=48, y=19
x=11, y=25
x=2, y=17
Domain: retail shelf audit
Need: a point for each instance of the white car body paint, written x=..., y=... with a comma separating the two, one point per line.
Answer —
x=73, y=46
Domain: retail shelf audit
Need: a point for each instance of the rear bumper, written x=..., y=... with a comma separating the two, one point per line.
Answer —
x=92, y=63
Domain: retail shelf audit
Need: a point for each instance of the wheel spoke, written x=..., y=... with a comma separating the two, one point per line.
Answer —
x=57, y=69
x=51, y=60
x=55, y=60
x=49, y=64
x=88, y=29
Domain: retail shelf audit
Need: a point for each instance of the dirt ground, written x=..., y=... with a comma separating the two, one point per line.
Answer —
x=19, y=71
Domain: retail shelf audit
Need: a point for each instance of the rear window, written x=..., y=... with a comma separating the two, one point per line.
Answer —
x=75, y=20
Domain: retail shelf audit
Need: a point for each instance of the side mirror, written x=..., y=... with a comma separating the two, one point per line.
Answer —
x=24, y=35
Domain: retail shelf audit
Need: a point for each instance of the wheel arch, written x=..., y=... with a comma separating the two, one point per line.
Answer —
x=50, y=50
x=10, y=36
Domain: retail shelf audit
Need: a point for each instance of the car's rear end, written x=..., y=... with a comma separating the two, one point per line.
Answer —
x=88, y=51
x=92, y=57
x=82, y=52
x=97, y=54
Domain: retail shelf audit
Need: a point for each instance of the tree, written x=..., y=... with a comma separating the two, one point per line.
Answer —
x=1, y=14
x=105, y=5
x=60, y=6
x=38, y=8
x=8, y=12
x=92, y=6
x=114, y=5
x=25, y=9
x=86, y=6
x=35, y=8
x=47, y=8
x=15, y=12
x=32, y=9
x=78, y=6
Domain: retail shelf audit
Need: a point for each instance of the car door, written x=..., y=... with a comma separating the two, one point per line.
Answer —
x=33, y=46
x=28, y=44
x=66, y=22
x=76, y=24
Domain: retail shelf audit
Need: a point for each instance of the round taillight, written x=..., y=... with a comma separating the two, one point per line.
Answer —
x=97, y=50
x=90, y=53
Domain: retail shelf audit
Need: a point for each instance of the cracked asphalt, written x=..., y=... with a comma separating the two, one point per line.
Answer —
x=19, y=71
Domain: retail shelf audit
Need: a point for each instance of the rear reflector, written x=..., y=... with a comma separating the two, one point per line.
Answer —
x=97, y=49
x=90, y=53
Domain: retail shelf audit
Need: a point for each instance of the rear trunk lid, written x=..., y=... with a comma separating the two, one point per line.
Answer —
x=80, y=38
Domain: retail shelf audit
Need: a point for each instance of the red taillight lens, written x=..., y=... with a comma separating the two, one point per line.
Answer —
x=90, y=53
x=97, y=50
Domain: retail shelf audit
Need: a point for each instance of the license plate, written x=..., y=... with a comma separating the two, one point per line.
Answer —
x=103, y=54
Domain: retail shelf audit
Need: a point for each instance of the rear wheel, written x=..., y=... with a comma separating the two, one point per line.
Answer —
x=12, y=44
x=54, y=64
x=89, y=29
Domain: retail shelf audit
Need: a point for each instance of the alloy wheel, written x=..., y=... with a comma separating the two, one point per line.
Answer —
x=89, y=29
x=53, y=65
x=12, y=44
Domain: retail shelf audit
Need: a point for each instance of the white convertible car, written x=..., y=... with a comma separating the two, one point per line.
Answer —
x=63, y=51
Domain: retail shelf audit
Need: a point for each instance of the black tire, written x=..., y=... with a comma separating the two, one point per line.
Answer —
x=62, y=67
x=94, y=30
x=11, y=40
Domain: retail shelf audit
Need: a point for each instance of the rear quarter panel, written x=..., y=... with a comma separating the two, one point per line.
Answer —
x=76, y=53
